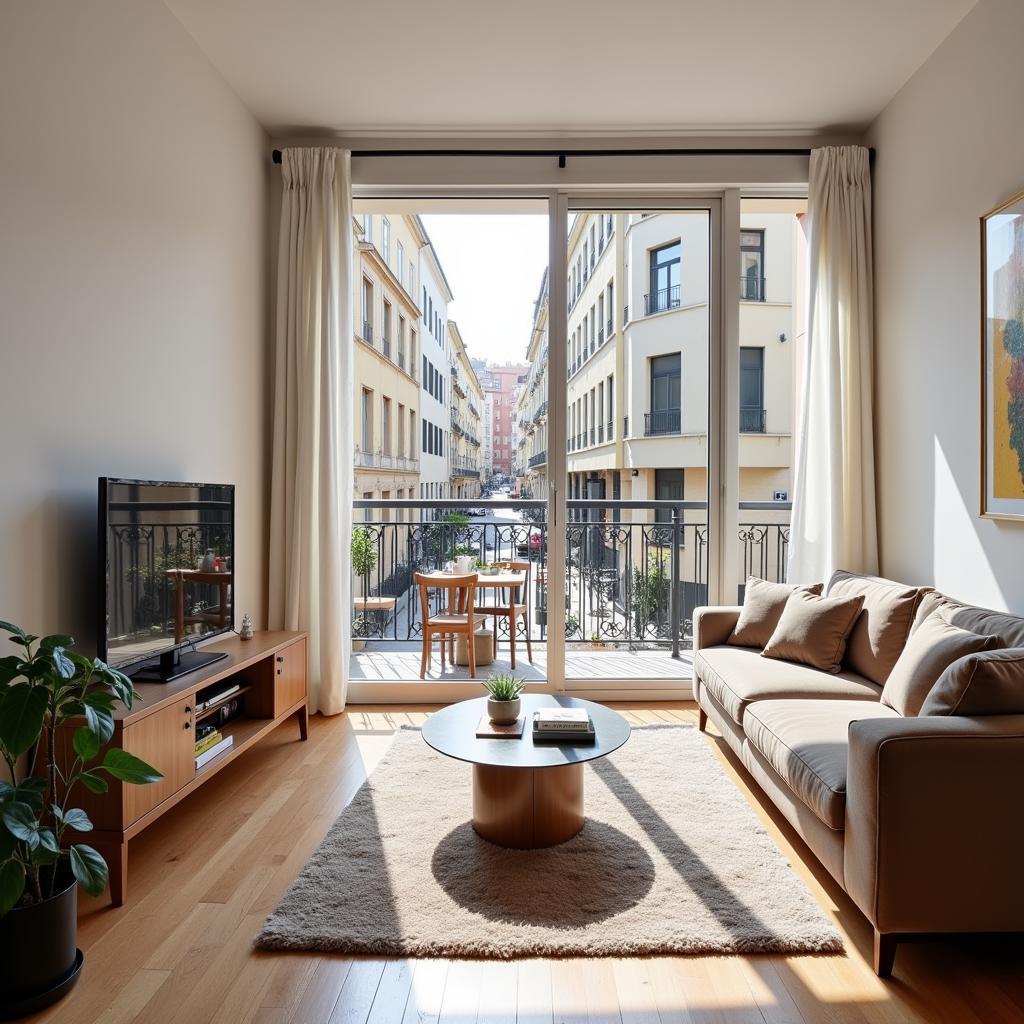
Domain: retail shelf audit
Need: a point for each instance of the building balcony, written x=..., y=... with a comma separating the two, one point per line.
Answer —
x=540, y=459
x=752, y=420
x=661, y=300
x=752, y=289
x=635, y=570
x=665, y=421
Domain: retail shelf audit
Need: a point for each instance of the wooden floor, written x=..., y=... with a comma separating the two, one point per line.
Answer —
x=205, y=875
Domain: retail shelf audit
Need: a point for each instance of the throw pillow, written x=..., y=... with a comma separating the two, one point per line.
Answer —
x=762, y=605
x=989, y=683
x=882, y=628
x=814, y=630
x=931, y=649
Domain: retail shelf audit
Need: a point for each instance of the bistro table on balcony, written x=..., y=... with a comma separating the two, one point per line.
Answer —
x=503, y=580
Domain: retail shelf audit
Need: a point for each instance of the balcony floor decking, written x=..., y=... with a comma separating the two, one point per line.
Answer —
x=401, y=663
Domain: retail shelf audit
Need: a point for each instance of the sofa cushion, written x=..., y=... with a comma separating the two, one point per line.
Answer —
x=882, y=628
x=735, y=676
x=805, y=742
x=814, y=630
x=1009, y=628
x=933, y=646
x=762, y=605
x=989, y=683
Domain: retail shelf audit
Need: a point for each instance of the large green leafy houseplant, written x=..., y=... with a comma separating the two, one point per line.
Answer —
x=44, y=686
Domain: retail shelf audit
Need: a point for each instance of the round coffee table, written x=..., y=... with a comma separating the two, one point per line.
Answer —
x=526, y=795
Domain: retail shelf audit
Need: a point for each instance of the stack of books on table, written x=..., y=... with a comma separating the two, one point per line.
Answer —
x=563, y=725
x=209, y=743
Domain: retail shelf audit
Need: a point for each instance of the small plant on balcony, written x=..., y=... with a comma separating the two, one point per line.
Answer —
x=650, y=591
x=364, y=561
x=572, y=626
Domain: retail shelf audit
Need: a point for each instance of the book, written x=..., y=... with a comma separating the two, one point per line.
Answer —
x=572, y=737
x=218, y=748
x=203, y=729
x=562, y=719
x=210, y=701
x=487, y=730
x=208, y=741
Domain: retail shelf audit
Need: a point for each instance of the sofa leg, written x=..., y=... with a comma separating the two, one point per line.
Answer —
x=885, y=952
x=702, y=719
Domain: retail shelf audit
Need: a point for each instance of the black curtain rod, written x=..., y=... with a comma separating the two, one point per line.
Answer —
x=563, y=154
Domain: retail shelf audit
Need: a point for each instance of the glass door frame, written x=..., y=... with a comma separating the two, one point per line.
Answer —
x=723, y=208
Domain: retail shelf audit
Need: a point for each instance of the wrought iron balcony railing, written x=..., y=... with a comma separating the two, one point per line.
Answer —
x=752, y=420
x=540, y=459
x=661, y=300
x=752, y=289
x=635, y=570
x=665, y=421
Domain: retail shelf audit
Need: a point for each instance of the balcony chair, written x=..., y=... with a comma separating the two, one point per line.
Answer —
x=459, y=617
x=512, y=611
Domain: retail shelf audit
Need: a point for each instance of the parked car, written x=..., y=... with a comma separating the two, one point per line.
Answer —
x=531, y=546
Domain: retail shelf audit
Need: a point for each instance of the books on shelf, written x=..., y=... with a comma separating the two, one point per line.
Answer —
x=218, y=748
x=211, y=739
x=210, y=701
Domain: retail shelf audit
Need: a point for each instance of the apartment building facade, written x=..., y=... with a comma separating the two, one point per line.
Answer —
x=387, y=339
x=435, y=385
x=467, y=398
x=500, y=381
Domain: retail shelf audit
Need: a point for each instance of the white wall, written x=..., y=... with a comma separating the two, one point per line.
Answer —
x=950, y=146
x=133, y=284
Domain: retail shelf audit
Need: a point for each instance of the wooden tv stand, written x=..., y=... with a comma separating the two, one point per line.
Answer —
x=160, y=728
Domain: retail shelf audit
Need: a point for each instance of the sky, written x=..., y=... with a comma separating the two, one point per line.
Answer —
x=494, y=264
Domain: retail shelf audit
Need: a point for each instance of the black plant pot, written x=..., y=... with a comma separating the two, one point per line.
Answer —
x=40, y=962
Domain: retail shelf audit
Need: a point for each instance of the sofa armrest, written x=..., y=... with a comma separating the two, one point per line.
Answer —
x=935, y=823
x=713, y=626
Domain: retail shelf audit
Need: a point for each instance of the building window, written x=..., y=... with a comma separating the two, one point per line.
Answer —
x=668, y=486
x=400, y=433
x=367, y=228
x=367, y=421
x=385, y=426
x=385, y=332
x=752, y=416
x=400, y=341
x=412, y=277
x=385, y=240
x=752, y=265
x=424, y=306
x=399, y=260
x=666, y=392
x=367, y=310
x=665, y=270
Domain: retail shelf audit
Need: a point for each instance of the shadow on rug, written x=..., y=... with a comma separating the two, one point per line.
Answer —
x=671, y=860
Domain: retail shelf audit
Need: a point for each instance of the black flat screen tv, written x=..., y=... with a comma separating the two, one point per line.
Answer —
x=167, y=567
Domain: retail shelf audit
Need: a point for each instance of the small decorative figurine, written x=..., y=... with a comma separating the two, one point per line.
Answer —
x=245, y=633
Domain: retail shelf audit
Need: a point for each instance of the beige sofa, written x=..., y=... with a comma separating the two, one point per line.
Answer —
x=921, y=820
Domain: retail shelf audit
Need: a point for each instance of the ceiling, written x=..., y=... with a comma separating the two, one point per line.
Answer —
x=567, y=66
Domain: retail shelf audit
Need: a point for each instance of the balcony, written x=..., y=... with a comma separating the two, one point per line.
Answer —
x=540, y=459
x=661, y=300
x=635, y=571
x=665, y=421
x=752, y=289
x=541, y=412
x=752, y=420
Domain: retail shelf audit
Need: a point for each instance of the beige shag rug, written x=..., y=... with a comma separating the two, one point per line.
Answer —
x=671, y=860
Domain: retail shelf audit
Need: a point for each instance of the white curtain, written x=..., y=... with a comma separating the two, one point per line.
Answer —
x=311, y=483
x=833, y=525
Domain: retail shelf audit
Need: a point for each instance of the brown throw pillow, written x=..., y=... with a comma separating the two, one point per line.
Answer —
x=762, y=605
x=882, y=628
x=931, y=649
x=813, y=630
x=989, y=683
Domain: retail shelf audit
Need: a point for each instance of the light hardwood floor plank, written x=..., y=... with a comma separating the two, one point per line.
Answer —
x=204, y=876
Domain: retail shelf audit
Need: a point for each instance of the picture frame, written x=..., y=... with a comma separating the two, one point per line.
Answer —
x=1002, y=361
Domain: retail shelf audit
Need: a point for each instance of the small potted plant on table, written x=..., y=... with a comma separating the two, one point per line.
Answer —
x=503, y=703
x=44, y=688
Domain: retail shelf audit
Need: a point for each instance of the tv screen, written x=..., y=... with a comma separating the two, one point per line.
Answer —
x=166, y=568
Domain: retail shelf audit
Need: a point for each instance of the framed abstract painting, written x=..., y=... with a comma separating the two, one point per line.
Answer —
x=1002, y=361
